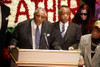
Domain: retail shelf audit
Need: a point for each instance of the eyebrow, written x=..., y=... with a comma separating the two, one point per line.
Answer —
x=65, y=12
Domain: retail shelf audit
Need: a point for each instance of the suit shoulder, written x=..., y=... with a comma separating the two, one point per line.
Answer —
x=75, y=25
x=48, y=22
x=55, y=23
x=23, y=22
x=86, y=36
x=6, y=7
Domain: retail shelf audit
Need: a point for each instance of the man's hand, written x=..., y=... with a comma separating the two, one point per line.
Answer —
x=11, y=46
x=71, y=48
x=81, y=62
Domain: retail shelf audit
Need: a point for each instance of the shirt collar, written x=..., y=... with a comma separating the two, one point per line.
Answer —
x=36, y=25
x=66, y=24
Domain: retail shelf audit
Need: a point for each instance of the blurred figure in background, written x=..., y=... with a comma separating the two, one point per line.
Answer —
x=4, y=13
x=97, y=10
x=84, y=18
x=67, y=34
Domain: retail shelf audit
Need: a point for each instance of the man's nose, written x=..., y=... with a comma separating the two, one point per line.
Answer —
x=66, y=15
x=39, y=17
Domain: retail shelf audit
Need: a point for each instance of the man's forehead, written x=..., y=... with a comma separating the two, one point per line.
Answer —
x=63, y=9
x=40, y=11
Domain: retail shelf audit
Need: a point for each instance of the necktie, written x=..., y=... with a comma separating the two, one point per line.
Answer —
x=63, y=29
x=37, y=38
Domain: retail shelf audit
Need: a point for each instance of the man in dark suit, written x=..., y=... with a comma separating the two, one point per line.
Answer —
x=34, y=33
x=4, y=13
x=67, y=34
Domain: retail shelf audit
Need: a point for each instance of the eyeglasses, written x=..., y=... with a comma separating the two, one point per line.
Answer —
x=40, y=16
x=83, y=13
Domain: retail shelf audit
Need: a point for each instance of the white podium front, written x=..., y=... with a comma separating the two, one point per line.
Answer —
x=47, y=58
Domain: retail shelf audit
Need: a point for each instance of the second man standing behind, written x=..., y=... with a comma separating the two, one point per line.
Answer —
x=67, y=34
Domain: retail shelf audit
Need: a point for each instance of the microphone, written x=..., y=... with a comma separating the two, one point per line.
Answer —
x=56, y=46
x=45, y=36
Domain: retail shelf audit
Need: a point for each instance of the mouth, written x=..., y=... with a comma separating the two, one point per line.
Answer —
x=94, y=36
x=65, y=19
x=38, y=21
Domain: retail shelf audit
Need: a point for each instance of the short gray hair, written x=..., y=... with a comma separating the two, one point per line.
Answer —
x=40, y=8
x=59, y=10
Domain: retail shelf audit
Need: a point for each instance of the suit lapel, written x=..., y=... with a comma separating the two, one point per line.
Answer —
x=57, y=29
x=68, y=32
x=88, y=49
x=29, y=32
x=44, y=28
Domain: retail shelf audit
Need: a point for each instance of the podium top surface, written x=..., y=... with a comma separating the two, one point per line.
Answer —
x=48, y=57
x=49, y=51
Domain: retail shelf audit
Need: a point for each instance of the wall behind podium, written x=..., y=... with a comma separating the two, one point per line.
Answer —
x=24, y=9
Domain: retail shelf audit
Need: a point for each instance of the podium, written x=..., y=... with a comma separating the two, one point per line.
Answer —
x=45, y=58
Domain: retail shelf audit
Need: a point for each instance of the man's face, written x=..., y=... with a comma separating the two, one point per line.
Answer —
x=95, y=34
x=64, y=14
x=39, y=17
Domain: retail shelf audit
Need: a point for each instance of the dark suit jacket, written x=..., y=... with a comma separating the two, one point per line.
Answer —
x=22, y=36
x=5, y=13
x=71, y=38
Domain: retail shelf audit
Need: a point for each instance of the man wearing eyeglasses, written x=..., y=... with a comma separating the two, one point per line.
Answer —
x=67, y=34
x=34, y=33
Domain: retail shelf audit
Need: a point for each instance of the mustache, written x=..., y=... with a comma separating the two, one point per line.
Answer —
x=38, y=20
x=65, y=18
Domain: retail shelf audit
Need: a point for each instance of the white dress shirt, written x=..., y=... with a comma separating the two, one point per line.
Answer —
x=33, y=28
x=65, y=24
x=0, y=18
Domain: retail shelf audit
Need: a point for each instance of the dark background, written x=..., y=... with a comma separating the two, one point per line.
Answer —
x=91, y=4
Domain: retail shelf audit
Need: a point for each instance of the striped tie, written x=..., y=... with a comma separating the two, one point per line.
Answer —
x=63, y=30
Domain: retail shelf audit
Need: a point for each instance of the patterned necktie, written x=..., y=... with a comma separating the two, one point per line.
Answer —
x=63, y=29
x=37, y=38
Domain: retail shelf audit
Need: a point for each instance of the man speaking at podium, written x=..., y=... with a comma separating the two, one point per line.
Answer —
x=34, y=33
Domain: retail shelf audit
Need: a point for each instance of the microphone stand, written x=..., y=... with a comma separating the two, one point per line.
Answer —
x=46, y=41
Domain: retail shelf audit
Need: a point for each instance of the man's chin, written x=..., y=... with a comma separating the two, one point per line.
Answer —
x=95, y=37
x=65, y=21
x=38, y=22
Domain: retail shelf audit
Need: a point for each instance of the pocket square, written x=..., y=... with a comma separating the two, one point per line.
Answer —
x=48, y=35
x=6, y=18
